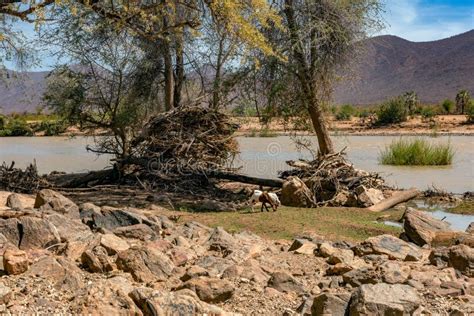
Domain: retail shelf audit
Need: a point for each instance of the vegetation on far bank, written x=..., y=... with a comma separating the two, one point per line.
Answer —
x=288, y=222
x=416, y=152
x=465, y=208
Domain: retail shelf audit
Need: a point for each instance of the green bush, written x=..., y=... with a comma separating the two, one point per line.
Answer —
x=416, y=152
x=448, y=106
x=244, y=110
x=428, y=112
x=53, y=128
x=3, y=122
x=17, y=127
x=470, y=112
x=392, y=111
x=345, y=112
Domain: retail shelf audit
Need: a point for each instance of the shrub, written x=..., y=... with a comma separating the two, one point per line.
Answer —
x=266, y=132
x=416, y=152
x=17, y=127
x=448, y=106
x=3, y=122
x=244, y=110
x=470, y=112
x=428, y=112
x=52, y=128
x=392, y=111
x=345, y=112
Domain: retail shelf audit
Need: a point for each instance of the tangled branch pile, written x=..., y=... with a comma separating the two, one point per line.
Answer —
x=334, y=181
x=185, y=141
x=17, y=180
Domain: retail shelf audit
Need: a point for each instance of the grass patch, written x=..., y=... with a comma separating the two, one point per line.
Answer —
x=333, y=223
x=465, y=208
x=417, y=152
x=264, y=132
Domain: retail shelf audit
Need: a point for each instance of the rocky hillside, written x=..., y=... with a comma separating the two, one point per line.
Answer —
x=62, y=258
x=389, y=66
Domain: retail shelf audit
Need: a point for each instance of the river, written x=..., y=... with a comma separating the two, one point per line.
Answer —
x=262, y=157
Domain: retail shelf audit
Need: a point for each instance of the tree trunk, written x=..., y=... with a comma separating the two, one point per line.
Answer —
x=216, y=89
x=169, y=76
x=319, y=124
x=179, y=73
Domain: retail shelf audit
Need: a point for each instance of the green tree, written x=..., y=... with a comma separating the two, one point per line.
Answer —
x=411, y=101
x=462, y=100
x=448, y=106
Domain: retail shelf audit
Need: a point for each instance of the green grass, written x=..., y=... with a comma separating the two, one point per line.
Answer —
x=416, y=152
x=288, y=222
x=465, y=208
x=264, y=132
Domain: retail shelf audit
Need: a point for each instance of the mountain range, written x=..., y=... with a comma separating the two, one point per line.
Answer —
x=386, y=67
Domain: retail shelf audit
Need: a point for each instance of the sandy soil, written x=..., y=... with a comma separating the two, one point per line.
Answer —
x=441, y=125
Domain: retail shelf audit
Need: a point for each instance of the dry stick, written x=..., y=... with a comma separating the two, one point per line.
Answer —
x=396, y=198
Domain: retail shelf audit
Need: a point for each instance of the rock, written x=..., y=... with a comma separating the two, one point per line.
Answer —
x=470, y=229
x=15, y=261
x=194, y=272
x=249, y=270
x=330, y=304
x=365, y=275
x=368, y=197
x=393, y=272
x=96, y=260
x=145, y=264
x=295, y=193
x=421, y=228
x=184, y=302
x=9, y=228
x=113, y=244
x=303, y=246
x=179, y=256
x=63, y=273
x=109, y=218
x=140, y=231
x=221, y=241
x=49, y=199
x=461, y=258
x=196, y=231
x=345, y=256
x=389, y=245
x=14, y=201
x=210, y=290
x=284, y=282
x=37, y=233
x=384, y=299
x=5, y=294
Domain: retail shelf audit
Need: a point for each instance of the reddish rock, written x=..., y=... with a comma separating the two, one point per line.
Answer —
x=15, y=261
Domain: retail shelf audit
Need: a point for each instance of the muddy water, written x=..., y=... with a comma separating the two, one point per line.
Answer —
x=262, y=157
x=265, y=156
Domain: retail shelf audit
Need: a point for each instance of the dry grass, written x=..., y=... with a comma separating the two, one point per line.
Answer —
x=333, y=223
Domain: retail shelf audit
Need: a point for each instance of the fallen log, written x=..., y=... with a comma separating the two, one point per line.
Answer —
x=274, y=183
x=396, y=198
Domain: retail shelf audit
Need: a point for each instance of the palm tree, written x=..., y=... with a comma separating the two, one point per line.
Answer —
x=462, y=100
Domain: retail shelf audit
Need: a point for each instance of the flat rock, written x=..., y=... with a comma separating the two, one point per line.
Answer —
x=421, y=228
x=384, y=299
x=210, y=290
x=393, y=247
x=284, y=282
x=139, y=231
x=113, y=244
x=37, y=233
x=330, y=304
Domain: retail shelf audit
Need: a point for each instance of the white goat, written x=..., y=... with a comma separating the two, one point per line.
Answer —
x=265, y=197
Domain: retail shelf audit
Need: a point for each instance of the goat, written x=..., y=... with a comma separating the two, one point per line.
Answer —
x=265, y=197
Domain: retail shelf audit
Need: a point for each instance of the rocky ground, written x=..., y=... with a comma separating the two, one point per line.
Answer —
x=59, y=257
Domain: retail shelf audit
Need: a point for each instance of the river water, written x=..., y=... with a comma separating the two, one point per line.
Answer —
x=262, y=157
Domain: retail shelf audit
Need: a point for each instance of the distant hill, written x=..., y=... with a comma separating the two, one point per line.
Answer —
x=388, y=66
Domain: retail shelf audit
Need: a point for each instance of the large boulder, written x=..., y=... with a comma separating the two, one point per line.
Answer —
x=284, y=282
x=460, y=257
x=113, y=244
x=37, y=233
x=139, y=231
x=145, y=264
x=470, y=229
x=295, y=193
x=14, y=201
x=51, y=200
x=384, y=299
x=96, y=260
x=421, y=228
x=10, y=229
x=389, y=245
x=183, y=302
x=210, y=290
x=108, y=218
x=330, y=304
x=221, y=241
x=62, y=273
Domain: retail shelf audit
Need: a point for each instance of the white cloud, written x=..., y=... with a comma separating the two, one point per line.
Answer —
x=418, y=22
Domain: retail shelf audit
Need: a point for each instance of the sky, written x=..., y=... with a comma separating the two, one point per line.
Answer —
x=414, y=20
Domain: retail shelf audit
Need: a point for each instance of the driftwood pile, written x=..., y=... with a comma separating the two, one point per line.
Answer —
x=332, y=180
x=18, y=180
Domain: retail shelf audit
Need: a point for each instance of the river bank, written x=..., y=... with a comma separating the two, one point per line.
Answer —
x=83, y=259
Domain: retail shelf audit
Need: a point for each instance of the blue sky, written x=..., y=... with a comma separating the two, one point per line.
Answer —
x=427, y=20
x=414, y=20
